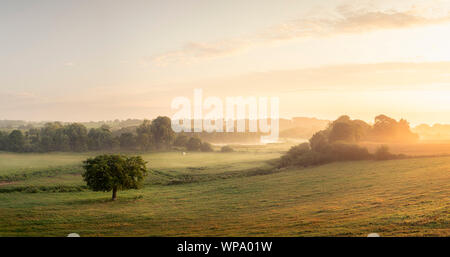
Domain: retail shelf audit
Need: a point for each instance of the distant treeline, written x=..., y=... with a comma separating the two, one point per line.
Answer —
x=297, y=127
x=339, y=141
x=54, y=136
x=131, y=134
x=384, y=129
x=158, y=134
x=75, y=137
x=9, y=125
x=435, y=132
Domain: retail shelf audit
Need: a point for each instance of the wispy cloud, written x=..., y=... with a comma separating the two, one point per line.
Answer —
x=334, y=78
x=196, y=50
x=301, y=90
x=344, y=20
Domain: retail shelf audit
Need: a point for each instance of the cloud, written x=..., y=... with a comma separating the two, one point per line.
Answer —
x=371, y=21
x=305, y=90
x=21, y=96
x=357, y=77
x=344, y=20
x=403, y=76
x=195, y=50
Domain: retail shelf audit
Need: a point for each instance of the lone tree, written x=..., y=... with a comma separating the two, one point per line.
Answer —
x=114, y=172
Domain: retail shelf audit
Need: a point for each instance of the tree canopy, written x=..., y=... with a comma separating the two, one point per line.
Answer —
x=75, y=137
x=384, y=129
x=114, y=172
x=339, y=142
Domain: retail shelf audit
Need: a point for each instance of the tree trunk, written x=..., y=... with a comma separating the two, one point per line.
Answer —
x=114, y=193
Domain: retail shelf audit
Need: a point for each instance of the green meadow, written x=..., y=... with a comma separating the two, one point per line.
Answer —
x=227, y=194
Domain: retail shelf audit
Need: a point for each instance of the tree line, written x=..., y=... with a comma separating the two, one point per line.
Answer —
x=75, y=137
x=338, y=142
x=384, y=129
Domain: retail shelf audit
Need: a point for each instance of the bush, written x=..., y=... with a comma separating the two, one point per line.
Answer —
x=309, y=158
x=299, y=149
x=206, y=147
x=348, y=152
x=294, y=153
x=226, y=149
x=181, y=140
x=319, y=141
x=302, y=155
x=194, y=144
x=382, y=153
x=31, y=189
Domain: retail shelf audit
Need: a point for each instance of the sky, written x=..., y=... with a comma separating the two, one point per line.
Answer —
x=103, y=60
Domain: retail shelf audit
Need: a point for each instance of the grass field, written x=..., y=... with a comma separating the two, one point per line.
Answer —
x=228, y=194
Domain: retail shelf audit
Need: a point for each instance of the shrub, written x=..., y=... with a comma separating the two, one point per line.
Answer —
x=226, y=149
x=31, y=189
x=181, y=140
x=294, y=153
x=194, y=144
x=348, y=152
x=312, y=158
x=382, y=153
x=206, y=147
x=319, y=141
x=299, y=149
x=301, y=155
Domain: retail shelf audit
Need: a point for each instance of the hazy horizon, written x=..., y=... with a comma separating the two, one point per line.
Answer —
x=371, y=121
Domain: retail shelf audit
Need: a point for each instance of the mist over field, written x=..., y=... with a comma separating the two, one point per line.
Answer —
x=334, y=184
x=326, y=118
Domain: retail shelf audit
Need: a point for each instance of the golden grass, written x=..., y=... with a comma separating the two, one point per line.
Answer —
x=394, y=198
